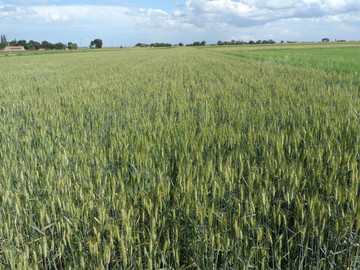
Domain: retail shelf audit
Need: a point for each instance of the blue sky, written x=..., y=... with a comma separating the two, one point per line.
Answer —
x=126, y=22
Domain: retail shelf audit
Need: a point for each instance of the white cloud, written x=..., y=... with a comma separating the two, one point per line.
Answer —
x=286, y=31
x=245, y=13
x=196, y=19
x=245, y=38
x=201, y=13
x=54, y=17
x=178, y=13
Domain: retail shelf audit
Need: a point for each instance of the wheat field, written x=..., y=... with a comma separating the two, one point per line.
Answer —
x=177, y=159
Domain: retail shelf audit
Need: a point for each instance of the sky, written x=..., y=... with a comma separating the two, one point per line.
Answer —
x=127, y=22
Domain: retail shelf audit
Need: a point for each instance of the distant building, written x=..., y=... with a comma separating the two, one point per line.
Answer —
x=14, y=48
x=325, y=40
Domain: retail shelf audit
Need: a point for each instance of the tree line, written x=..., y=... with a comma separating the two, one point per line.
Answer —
x=160, y=44
x=203, y=43
x=34, y=45
x=98, y=43
x=241, y=42
x=157, y=44
x=232, y=42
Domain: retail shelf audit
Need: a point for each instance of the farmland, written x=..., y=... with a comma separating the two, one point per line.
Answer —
x=338, y=60
x=184, y=158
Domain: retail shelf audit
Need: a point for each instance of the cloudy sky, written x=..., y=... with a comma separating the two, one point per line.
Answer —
x=126, y=22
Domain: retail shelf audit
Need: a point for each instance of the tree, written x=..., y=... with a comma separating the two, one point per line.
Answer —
x=142, y=44
x=13, y=43
x=32, y=45
x=203, y=43
x=160, y=44
x=196, y=43
x=22, y=43
x=98, y=43
x=72, y=46
x=3, y=42
x=3, y=39
x=59, y=46
x=47, y=45
x=220, y=43
x=181, y=44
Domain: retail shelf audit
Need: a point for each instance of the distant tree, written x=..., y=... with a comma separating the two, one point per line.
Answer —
x=325, y=40
x=32, y=45
x=181, y=44
x=22, y=43
x=233, y=42
x=72, y=46
x=203, y=43
x=3, y=39
x=59, y=46
x=13, y=43
x=97, y=43
x=143, y=45
x=47, y=45
x=160, y=44
x=259, y=42
x=220, y=43
x=251, y=42
x=3, y=42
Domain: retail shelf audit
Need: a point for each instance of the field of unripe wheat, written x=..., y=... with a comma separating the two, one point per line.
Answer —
x=177, y=159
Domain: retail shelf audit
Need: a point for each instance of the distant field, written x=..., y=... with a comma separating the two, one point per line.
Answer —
x=340, y=59
x=180, y=159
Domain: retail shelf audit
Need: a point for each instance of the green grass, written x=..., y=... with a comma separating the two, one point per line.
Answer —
x=176, y=159
x=339, y=60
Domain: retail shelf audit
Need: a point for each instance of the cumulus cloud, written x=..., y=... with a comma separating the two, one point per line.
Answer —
x=30, y=2
x=200, y=13
x=219, y=18
x=246, y=13
x=7, y=11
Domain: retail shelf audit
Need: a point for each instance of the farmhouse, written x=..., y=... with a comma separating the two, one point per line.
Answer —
x=14, y=48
